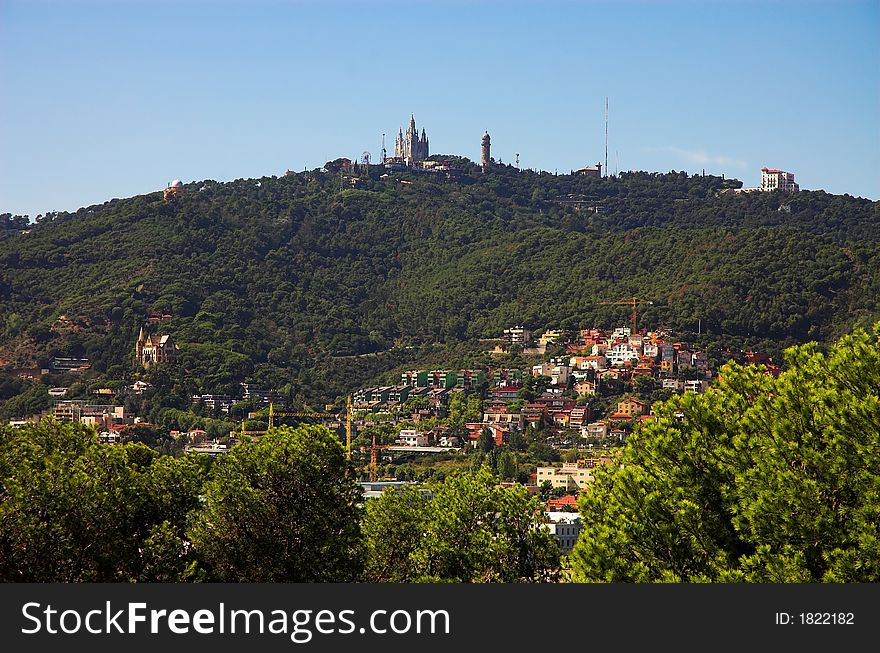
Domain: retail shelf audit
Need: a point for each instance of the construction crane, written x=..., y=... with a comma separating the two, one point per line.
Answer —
x=272, y=413
x=374, y=459
x=629, y=302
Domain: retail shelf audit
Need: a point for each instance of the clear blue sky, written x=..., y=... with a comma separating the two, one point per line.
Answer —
x=111, y=99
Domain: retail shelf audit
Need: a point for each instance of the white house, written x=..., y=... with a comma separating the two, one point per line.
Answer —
x=412, y=438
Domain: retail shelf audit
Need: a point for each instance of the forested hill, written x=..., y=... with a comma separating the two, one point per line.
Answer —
x=284, y=280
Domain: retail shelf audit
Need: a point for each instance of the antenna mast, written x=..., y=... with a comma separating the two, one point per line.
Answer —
x=606, y=135
x=384, y=154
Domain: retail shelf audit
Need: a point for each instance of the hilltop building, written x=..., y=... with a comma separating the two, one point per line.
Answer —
x=485, y=157
x=411, y=148
x=174, y=189
x=155, y=349
x=778, y=180
x=590, y=171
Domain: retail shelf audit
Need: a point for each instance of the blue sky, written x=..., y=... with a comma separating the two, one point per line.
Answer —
x=111, y=99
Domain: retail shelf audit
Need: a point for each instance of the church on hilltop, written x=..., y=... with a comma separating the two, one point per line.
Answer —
x=411, y=148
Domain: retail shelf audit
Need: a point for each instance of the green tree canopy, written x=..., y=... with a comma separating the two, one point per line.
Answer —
x=472, y=530
x=760, y=479
x=282, y=508
x=74, y=510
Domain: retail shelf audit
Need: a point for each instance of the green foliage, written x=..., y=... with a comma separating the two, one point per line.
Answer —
x=281, y=509
x=471, y=531
x=763, y=479
x=73, y=510
x=297, y=286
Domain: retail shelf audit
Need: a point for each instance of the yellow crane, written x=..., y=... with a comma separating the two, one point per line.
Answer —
x=272, y=414
x=629, y=302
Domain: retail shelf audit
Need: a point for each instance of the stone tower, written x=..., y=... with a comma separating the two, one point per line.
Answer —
x=411, y=148
x=485, y=159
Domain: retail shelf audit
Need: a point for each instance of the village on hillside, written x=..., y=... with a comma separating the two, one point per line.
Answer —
x=546, y=425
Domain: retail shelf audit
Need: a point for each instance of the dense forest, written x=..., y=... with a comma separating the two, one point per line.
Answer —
x=314, y=283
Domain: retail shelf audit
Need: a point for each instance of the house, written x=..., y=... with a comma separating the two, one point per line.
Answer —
x=565, y=527
x=622, y=353
x=471, y=379
x=591, y=362
x=584, y=388
x=572, y=475
x=412, y=438
x=558, y=373
x=579, y=416
x=138, y=387
x=499, y=433
x=60, y=365
x=676, y=385
x=685, y=359
x=631, y=407
x=517, y=335
x=507, y=376
x=551, y=335
x=535, y=415
x=650, y=349
x=506, y=393
x=565, y=503
x=510, y=420
x=695, y=386
x=598, y=430
x=222, y=403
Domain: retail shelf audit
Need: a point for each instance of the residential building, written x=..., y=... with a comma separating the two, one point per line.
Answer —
x=507, y=376
x=571, y=476
x=517, y=335
x=565, y=503
x=558, y=373
x=412, y=438
x=414, y=378
x=506, y=393
x=471, y=379
x=584, y=388
x=565, y=527
x=673, y=384
x=579, y=416
x=622, y=353
x=595, y=430
x=535, y=415
x=621, y=332
x=259, y=395
x=222, y=403
x=778, y=180
x=59, y=365
x=514, y=420
x=695, y=386
x=632, y=407
x=551, y=335
x=85, y=412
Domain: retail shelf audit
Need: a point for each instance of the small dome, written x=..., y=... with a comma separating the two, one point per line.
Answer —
x=176, y=183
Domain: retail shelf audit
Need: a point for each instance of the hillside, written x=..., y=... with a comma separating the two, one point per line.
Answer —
x=305, y=284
